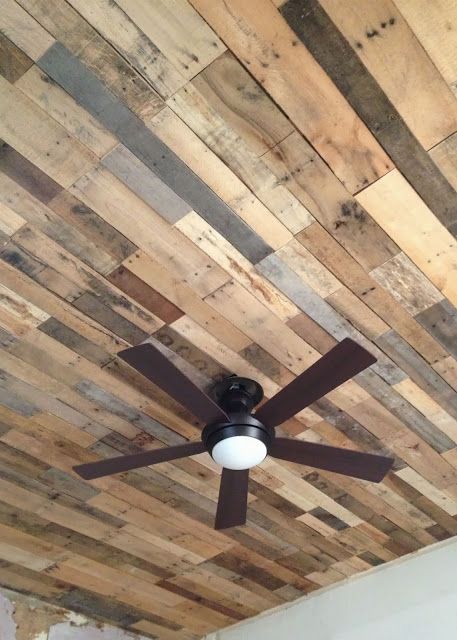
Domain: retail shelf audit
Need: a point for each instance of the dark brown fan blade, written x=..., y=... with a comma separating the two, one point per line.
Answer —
x=150, y=362
x=341, y=363
x=233, y=499
x=92, y=470
x=357, y=464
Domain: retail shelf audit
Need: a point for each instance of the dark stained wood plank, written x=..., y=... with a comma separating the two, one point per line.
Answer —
x=13, y=61
x=333, y=52
x=22, y=171
x=91, y=306
x=328, y=518
x=74, y=341
x=82, y=217
x=264, y=361
x=60, y=65
x=145, y=295
x=441, y=321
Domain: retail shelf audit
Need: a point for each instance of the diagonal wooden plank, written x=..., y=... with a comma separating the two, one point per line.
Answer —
x=335, y=54
x=75, y=78
x=142, y=181
x=264, y=43
x=13, y=61
x=390, y=51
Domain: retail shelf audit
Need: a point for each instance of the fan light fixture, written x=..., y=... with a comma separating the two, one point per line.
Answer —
x=239, y=439
x=239, y=452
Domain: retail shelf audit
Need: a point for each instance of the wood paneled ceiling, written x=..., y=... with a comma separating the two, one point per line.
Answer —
x=247, y=184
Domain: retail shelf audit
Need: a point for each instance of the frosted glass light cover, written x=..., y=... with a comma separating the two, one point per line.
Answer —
x=239, y=452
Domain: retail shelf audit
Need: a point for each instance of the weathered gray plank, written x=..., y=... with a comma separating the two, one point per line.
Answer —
x=441, y=321
x=75, y=341
x=75, y=78
x=126, y=166
x=25, y=173
x=290, y=283
x=418, y=370
x=16, y=403
x=403, y=410
x=67, y=484
x=28, y=400
x=92, y=307
x=354, y=430
x=118, y=407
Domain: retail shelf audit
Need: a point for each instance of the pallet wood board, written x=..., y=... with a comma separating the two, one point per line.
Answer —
x=243, y=185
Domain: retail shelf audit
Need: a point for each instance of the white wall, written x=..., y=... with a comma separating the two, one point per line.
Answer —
x=414, y=598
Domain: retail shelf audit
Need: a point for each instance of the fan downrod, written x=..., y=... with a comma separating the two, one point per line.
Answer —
x=236, y=394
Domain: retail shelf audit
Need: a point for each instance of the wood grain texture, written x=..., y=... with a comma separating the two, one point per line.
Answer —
x=262, y=40
x=13, y=61
x=431, y=23
x=331, y=49
x=193, y=175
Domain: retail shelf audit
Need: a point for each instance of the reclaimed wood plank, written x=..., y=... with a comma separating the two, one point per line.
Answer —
x=204, y=162
x=132, y=43
x=126, y=166
x=215, y=246
x=78, y=81
x=430, y=22
x=192, y=107
x=392, y=53
x=261, y=326
x=392, y=194
x=121, y=208
x=24, y=31
x=345, y=268
x=321, y=312
x=444, y=155
x=262, y=40
x=148, y=297
x=27, y=175
x=354, y=80
x=243, y=104
x=61, y=107
x=186, y=299
x=168, y=25
x=43, y=141
x=307, y=176
x=13, y=61
x=407, y=284
x=69, y=27
x=93, y=226
x=440, y=320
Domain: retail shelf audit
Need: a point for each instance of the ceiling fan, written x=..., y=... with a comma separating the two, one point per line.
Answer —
x=238, y=440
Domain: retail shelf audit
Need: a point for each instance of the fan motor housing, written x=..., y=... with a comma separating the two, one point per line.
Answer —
x=241, y=424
